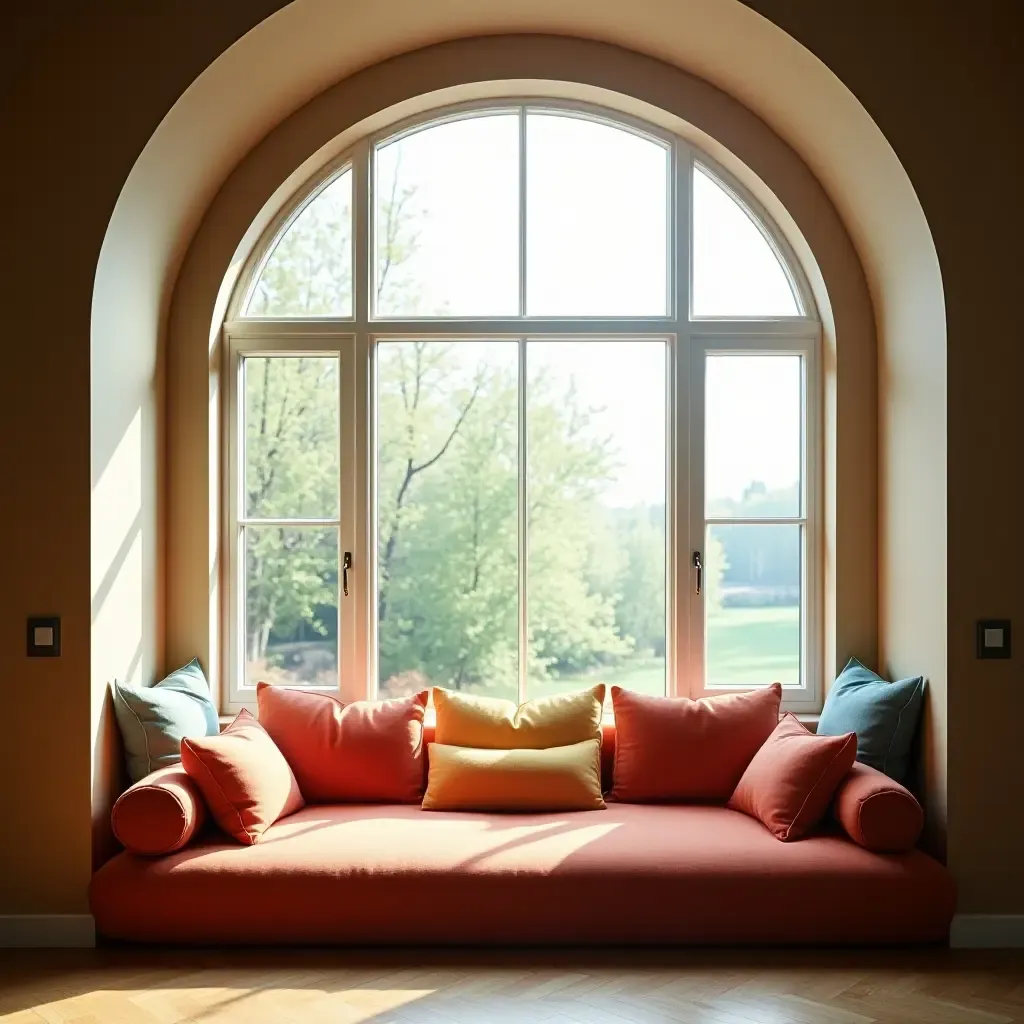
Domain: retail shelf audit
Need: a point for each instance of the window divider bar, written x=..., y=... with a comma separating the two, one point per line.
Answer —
x=363, y=264
x=755, y=520
x=616, y=328
x=289, y=523
x=522, y=211
x=523, y=530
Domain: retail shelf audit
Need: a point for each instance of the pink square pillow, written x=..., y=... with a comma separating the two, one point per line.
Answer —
x=678, y=749
x=789, y=784
x=369, y=751
x=244, y=778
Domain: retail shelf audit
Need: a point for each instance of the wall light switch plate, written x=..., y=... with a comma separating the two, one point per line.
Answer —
x=43, y=637
x=993, y=638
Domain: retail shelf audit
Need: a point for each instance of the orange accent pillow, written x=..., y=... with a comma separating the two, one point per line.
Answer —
x=876, y=812
x=530, y=779
x=160, y=813
x=364, y=752
x=789, y=784
x=243, y=777
x=673, y=749
x=468, y=720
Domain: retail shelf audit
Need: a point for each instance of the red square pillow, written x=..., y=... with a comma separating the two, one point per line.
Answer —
x=677, y=749
x=244, y=778
x=789, y=783
x=364, y=752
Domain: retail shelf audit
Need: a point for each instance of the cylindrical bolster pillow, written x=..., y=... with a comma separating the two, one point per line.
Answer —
x=160, y=813
x=877, y=812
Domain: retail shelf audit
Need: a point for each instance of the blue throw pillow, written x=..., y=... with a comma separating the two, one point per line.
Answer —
x=883, y=715
x=155, y=719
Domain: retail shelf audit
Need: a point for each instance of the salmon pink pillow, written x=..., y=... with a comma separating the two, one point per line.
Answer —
x=369, y=751
x=244, y=778
x=673, y=749
x=790, y=782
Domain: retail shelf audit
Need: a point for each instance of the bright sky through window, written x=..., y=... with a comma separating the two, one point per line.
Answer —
x=447, y=201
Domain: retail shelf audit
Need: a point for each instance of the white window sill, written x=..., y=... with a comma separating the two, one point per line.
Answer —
x=811, y=721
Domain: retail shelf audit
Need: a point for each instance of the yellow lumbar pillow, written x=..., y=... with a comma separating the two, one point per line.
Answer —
x=566, y=778
x=469, y=721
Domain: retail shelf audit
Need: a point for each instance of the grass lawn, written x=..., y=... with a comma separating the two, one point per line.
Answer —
x=746, y=646
x=754, y=646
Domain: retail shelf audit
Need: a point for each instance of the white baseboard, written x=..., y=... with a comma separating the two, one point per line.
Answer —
x=987, y=931
x=53, y=931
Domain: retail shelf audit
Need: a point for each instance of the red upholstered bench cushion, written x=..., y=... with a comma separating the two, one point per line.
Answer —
x=632, y=873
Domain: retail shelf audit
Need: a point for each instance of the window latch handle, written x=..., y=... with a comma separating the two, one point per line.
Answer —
x=698, y=565
x=346, y=564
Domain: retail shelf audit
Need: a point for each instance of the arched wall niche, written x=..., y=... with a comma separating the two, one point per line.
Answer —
x=474, y=69
x=194, y=202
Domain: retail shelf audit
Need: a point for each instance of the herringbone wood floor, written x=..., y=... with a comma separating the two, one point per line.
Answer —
x=124, y=986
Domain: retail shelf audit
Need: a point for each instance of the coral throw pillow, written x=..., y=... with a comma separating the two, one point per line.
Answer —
x=790, y=782
x=244, y=778
x=159, y=814
x=566, y=778
x=876, y=812
x=673, y=749
x=558, y=721
x=363, y=752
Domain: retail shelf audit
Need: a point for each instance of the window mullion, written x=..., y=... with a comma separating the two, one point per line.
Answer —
x=233, y=621
x=524, y=527
x=693, y=516
x=355, y=421
x=522, y=211
x=681, y=667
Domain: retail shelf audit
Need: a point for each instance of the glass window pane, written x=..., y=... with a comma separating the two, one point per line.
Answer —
x=753, y=416
x=596, y=513
x=597, y=219
x=752, y=604
x=447, y=220
x=735, y=270
x=291, y=437
x=309, y=271
x=291, y=605
x=447, y=516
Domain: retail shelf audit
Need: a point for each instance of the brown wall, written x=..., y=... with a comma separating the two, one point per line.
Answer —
x=945, y=83
x=85, y=85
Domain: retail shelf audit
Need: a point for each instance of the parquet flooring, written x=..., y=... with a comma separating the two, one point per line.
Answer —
x=340, y=986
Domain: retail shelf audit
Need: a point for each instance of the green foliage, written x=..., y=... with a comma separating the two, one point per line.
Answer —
x=716, y=562
x=291, y=431
x=448, y=494
x=309, y=273
x=640, y=601
x=447, y=568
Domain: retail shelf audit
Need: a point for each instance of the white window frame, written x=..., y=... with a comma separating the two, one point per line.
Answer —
x=353, y=340
x=805, y=697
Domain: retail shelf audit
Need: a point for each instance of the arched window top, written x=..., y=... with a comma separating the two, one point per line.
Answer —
x=526, y=212
x=524, y=396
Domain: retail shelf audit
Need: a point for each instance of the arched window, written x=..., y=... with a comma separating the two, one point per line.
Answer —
x=523, y=397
